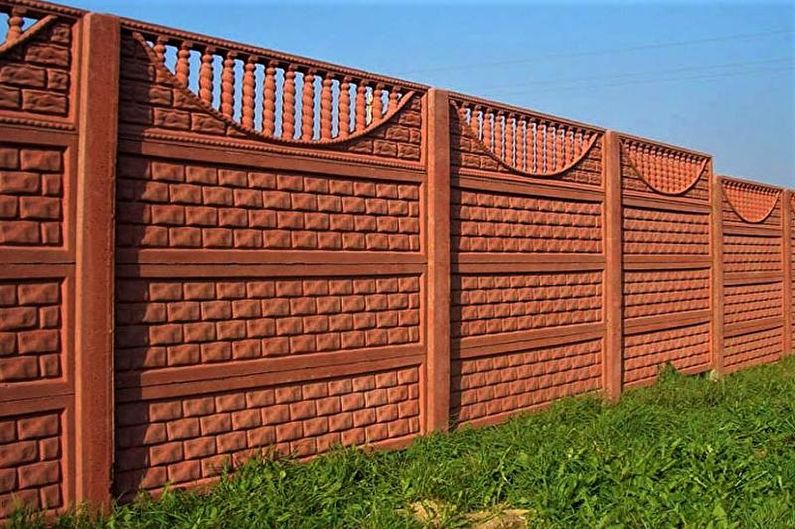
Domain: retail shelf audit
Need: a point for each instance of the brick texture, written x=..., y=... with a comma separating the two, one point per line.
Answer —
x=495, y=222
x=168, y=205
x=654, y=293
x=31, y=470
x=649, y=231
x=35, y=76
x=484, y=304
x=30, y=330
x=31, y=196
x=189, y=439
x=684, y=347
x=501, y=384
x=177, y=323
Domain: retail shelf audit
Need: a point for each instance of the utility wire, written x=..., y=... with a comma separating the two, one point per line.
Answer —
x=657, y=80
x=590, y=53
x=559, y=82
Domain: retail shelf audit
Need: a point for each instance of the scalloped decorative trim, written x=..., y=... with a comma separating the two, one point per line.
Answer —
x=470, y=132
x=28, y=33
x=752, y=203
x=254, y=134
x=659, y=170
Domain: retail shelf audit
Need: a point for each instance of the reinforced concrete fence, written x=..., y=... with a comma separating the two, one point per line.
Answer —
x=210, y=249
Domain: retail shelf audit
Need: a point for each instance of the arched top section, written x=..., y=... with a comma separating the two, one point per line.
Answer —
x=666, y=170
x=271, y=95
x=527, y=143
x=20, y=32
x=752, y=202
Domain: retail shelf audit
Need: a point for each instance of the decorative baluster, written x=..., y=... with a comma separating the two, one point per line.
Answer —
x=206, y=76
x=269, y=100
x=378, y=102
x=15, y=22
x=160, y=49
x=576, y=142
x=394, y=95
x=560, y=147
x=325, y=107
x=521, y=144
x=288, y=104
x=530, y=144
x=344, y=110
x=228, y=85
x=249, y=89
x=487, y=116
x=308, y=106
x=563, y=155
x=182, y=68
x=541, y=130
x=498, y=135
x=509, y=146
x=550, y=148
x=476, y=121
x=361, y=95
x=462, y=117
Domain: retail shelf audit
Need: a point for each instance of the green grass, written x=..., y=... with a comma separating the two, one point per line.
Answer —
x=687, y=452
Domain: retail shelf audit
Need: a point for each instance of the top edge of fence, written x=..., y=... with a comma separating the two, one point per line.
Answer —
x=736, y=180
x=40, y=7
x=156, y=30
x=650, y=141
x=474, y=100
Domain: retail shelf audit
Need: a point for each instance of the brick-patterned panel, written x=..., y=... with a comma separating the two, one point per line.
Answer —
x=148, y=98
x=686, y=348
x=487, y=386
x=30, y=330
x=168, y=205
x=185, y=440
x=31, y=467
x=648, y=231
x=496, y=222
x=745, y=303
x=752, y=349
x=484, y=304
x=469, y=153
x=35, y=75
x=746, y=253
x=165, y=323
x=652, y=293
x=31, y=191
x=631, y=181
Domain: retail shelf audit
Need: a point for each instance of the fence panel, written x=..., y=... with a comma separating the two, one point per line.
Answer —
x=528, y=258
x=667, y=262
x=271, y=274
x=753, y=273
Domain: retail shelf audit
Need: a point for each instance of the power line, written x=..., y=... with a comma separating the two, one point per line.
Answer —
x=591, y=53
x=657, y=80
x=558, y=82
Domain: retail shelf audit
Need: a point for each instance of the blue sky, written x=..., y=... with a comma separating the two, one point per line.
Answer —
x=717, y=77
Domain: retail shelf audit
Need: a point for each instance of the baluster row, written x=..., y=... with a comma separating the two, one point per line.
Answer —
x=325, y=111
x=529, y=143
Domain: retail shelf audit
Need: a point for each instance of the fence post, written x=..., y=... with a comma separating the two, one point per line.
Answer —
x=438, y=250
x=614, y=267
x=786, y=219
x=96, y=167
x=716, y=249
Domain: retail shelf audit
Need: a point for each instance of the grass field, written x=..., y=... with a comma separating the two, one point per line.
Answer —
x=687, y=452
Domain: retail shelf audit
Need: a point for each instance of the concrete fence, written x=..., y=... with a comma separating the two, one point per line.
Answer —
x=211, y=249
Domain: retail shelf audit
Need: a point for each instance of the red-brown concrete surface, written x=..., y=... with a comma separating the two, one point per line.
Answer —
x=195, y=268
